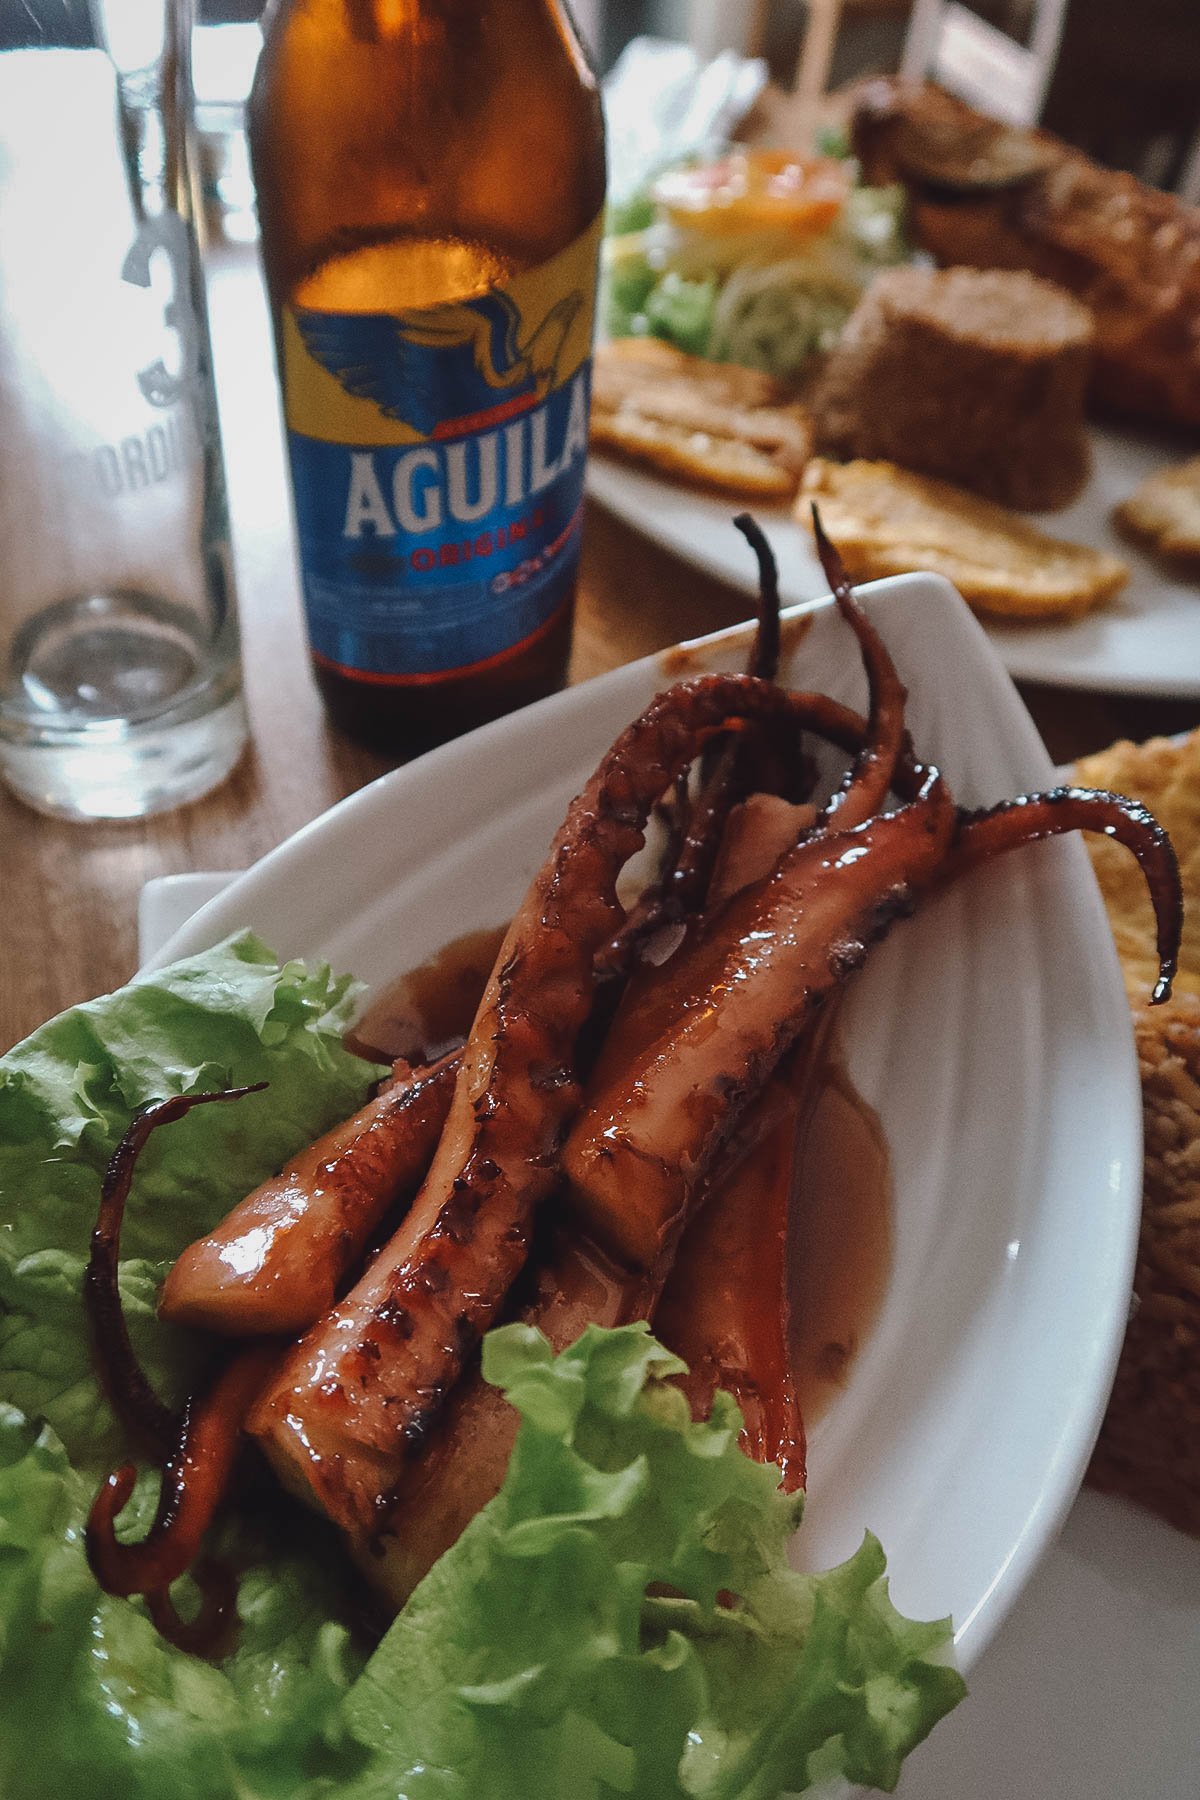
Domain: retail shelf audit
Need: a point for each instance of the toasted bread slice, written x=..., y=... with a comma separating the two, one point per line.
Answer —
x=1165, y=511
x=709, y=423
x=886, y=521
x=698, y=457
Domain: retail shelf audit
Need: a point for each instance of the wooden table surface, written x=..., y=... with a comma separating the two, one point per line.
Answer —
x=69, y=892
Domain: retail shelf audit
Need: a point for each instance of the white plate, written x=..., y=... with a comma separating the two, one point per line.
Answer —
x=991, y=1033
x=1146, y=641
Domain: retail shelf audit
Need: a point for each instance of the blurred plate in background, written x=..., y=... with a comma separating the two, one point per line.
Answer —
x=1146, y=641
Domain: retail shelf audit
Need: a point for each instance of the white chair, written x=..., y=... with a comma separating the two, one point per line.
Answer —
x=983, y=64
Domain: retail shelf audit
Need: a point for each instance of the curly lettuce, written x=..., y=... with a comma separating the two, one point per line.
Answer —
x=92, y=1700
x=229, y=1017
x=573, y=1643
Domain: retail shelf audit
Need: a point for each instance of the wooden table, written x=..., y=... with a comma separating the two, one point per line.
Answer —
x=70, y=892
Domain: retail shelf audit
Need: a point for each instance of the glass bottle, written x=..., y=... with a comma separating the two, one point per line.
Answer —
x=430, y=179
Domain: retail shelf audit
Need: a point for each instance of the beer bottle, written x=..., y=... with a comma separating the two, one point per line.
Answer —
x=430, y=179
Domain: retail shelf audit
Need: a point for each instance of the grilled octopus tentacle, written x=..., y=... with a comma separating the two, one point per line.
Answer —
x=333, y=1429
x=279, y=1259
x=682, y=888
x=868, y=783
x=464, y=1463
x=126, y=1383
x=696, y=825
x=677, y=1070
x=760, y=831
x=726, y=1304
x=1024, y=821
x=210, y=1632
x=194, y=1482
x=764, y=652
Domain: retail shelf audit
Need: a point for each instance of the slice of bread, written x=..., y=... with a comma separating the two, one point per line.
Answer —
x=1165, y=511
x=712, y=424
x=975, y=375
x=888, y=521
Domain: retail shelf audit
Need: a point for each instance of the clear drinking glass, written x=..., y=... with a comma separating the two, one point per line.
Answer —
x=120, y=689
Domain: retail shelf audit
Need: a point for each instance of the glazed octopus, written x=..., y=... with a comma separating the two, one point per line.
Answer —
x=355, y=1400
x=517, y=1149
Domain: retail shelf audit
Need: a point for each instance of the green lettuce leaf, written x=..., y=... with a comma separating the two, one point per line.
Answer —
x=634, y=213
x=628, y=281
x=530, y=1660
x=229, y=1017
x=682, y=311
x=92, y=1700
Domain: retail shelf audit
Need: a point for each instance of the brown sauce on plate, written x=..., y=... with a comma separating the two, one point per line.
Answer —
x=682, y=660
x=841, y=1237
x=431, y=1008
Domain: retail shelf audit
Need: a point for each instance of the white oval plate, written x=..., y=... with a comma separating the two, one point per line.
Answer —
x=991, y=1033
x=1146, y=641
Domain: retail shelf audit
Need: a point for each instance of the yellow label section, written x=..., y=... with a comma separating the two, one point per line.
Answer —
x=409, y=376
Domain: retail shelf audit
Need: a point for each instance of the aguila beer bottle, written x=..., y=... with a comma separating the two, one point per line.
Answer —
x=430, y=180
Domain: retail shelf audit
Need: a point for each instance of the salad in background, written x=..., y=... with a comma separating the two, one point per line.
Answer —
x=572, y=1644
x=756, y=257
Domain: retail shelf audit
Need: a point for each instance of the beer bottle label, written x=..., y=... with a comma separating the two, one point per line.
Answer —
x=437, y=460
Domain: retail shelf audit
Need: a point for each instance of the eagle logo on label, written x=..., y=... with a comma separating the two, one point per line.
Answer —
x=445, y=369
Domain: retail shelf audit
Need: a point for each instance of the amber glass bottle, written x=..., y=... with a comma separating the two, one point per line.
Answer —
x=430, y=180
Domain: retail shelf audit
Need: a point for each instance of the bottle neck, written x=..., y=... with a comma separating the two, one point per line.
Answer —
x=476, y=121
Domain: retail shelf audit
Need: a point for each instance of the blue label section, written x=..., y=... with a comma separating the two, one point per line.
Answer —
x=424, y=558
x=383, y=359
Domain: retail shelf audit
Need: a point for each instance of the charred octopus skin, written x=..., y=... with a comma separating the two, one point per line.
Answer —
x=354, y=1402
x=279, y=1259
x=377, y=1415
x=737, y=998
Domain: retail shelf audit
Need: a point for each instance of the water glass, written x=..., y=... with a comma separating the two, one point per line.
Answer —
x=120, y=690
